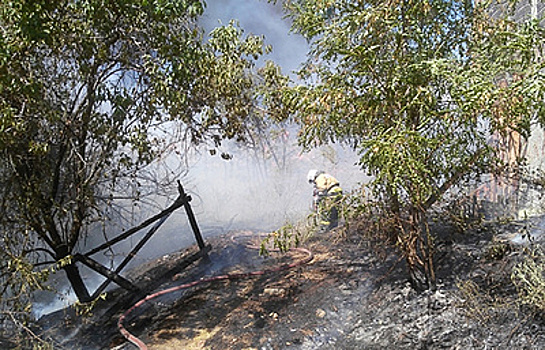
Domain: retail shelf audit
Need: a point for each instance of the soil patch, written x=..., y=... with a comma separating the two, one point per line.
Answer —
x=347, y=298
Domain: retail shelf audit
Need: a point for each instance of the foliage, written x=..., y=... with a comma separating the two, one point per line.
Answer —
x=86, y=309
x=89, y=91
x=417, y=88
x=529, y=278
x=20, y=279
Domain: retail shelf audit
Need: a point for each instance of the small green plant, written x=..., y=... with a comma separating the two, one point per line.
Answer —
x=288, y=236
x=497, y=251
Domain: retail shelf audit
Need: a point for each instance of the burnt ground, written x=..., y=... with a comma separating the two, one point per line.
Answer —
x=348, y=297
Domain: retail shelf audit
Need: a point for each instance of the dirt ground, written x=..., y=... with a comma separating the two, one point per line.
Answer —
x=347, y=298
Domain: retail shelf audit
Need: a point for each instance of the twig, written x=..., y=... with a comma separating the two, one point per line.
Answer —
x=26, y=329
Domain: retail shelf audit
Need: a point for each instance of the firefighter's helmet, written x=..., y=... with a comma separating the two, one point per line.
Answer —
x=312, y=175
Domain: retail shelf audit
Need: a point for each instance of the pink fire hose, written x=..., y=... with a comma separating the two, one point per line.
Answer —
x=232, y=276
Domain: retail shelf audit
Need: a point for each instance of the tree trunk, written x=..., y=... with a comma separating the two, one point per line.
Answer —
x=74, y=276
x=419, y=254
x=418, y=278
x=422, y=277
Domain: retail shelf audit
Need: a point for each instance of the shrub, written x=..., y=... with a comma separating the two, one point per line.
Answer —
x=529, y=278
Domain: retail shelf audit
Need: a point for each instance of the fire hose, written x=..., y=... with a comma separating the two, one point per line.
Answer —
x=231, y=276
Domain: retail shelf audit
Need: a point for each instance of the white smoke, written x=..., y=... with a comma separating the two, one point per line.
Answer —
x=245, y=192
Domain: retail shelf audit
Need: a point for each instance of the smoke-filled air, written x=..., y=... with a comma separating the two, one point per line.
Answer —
x=272, y=174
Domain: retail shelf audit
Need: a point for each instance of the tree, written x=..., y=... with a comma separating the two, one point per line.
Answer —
x=413, y=87
x=85, y=90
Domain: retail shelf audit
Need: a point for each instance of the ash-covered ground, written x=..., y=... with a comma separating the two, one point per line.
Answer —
x=348, y=297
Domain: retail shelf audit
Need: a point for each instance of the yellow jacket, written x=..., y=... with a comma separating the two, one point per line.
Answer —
x=325, y=184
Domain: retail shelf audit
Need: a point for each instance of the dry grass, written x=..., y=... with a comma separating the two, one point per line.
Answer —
x=197, y=342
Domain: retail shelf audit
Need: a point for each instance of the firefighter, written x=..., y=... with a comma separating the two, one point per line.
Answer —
x=326, y=196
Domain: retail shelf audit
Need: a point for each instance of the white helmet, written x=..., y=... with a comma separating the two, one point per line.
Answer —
x=312, y=175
